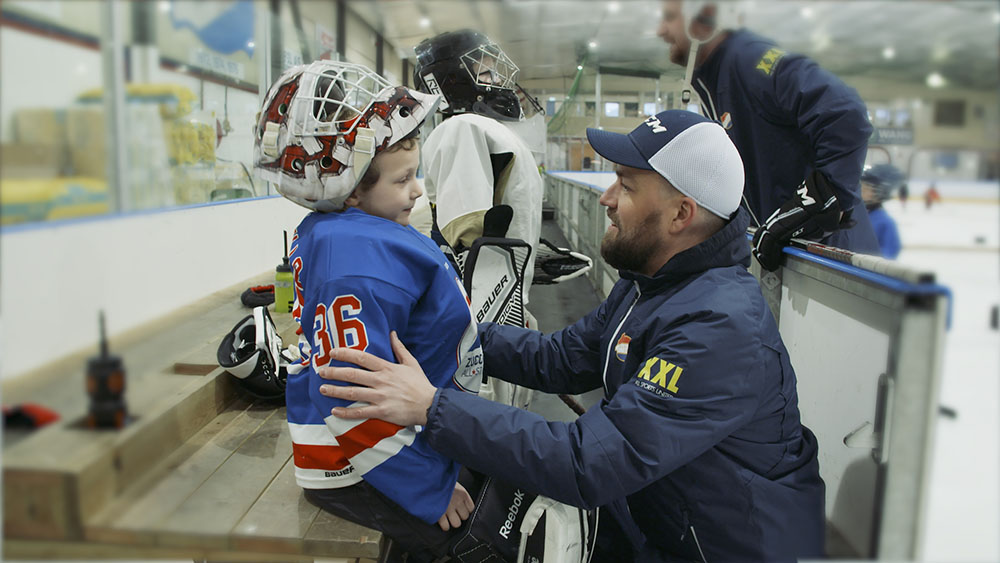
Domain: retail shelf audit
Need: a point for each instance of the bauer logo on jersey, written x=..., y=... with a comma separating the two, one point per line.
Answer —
x=621, y=347
x=659, y=376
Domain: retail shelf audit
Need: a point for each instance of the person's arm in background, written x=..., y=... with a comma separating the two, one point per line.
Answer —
x=830, y=114
x=831, y=117
x=458, y=170
x=565, y=361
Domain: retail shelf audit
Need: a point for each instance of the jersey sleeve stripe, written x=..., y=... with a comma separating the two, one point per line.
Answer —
x=308, y=456
x=365, y=435
x=385, y=449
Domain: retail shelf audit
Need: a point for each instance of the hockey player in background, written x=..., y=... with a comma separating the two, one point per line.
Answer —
x=337, y=139
x=878, y=184
x=473, y=163
x=802, y=133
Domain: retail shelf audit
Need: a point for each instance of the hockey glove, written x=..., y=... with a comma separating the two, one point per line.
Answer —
x=812, y=213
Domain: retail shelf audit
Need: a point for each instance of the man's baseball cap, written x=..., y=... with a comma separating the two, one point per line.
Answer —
x=692, y=152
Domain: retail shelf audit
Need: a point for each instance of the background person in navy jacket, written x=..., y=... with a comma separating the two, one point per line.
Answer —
x=802, y=133
x=699, y=429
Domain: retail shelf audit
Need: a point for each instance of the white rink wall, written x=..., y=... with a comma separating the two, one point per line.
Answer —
x=55, y=277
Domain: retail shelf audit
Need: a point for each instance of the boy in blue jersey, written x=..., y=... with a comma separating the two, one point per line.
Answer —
x=337, y=139
x=878, y=184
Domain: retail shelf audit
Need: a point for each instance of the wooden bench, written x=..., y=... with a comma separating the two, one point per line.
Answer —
x=202, y=472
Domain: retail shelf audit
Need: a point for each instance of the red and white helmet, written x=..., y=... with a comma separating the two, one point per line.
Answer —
x=322, y=123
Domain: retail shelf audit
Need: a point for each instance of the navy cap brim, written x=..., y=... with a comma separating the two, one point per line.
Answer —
x=617, y=148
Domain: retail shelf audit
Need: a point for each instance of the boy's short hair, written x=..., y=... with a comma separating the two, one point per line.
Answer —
x=371, y=176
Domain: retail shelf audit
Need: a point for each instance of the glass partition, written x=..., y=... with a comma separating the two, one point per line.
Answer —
x=186, y=78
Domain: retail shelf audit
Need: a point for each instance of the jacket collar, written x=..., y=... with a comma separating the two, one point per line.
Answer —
x=728, y=247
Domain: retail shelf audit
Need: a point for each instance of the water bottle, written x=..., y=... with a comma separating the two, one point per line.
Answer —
x=284, y=297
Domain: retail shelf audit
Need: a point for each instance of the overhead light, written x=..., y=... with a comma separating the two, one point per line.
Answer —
x=164, y=5
x=613, y=7
x=592, y=44
x=935, y=80
x=425, y=22
x=552, y=98
x=250, y=44
x=889, y=53
x=996, y=18
x=579, y=67
x=806, y=12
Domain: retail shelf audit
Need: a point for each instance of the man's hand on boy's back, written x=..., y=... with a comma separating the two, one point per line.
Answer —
x=397, y=393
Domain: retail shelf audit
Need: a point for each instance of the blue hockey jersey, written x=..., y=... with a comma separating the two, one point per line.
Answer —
x=886, y=231
x=699, y=429
x=358, y=277
x=787, y=116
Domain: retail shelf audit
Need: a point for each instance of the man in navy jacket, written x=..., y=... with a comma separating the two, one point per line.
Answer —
x=795, y=124
x=699, y=428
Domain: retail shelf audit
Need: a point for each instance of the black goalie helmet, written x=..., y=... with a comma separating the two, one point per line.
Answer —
x=472, y=73
x=880, y=182
x=251, y=353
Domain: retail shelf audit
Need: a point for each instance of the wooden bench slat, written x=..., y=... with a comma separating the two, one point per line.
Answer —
x=162, y=490
x=283, y=496
x=225, y=497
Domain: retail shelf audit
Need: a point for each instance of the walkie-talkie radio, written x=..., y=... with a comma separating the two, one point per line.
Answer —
x=106, y=388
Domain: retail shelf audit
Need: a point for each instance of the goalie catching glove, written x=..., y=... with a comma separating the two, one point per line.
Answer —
x=555, y=265
x=812, y=213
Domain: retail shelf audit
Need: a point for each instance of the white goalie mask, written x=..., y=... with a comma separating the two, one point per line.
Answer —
x=322, y=123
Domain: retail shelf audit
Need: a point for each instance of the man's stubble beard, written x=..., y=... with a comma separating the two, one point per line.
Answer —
x=631, y=250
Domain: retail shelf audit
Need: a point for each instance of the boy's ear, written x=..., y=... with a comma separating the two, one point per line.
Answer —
x=352, y=200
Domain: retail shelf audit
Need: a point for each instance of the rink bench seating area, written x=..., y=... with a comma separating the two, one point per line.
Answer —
x=201, y=471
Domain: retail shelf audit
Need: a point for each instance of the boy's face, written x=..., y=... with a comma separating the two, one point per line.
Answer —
x=867, y=192
x=393, y=195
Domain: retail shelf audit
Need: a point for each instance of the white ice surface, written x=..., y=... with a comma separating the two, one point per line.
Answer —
x=959, y=242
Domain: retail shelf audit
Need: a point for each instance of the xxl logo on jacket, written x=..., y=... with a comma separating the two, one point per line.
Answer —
x=767, y=62
x=659, y=376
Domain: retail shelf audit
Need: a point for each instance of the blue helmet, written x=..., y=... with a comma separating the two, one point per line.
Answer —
x=884, y=180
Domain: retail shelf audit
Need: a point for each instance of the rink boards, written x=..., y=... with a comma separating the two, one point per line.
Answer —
x=867, y=350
